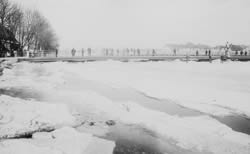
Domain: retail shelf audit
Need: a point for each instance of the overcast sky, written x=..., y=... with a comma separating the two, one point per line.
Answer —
x=145, y=23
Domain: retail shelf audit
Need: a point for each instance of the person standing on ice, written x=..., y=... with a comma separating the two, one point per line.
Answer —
x=241, y=53
x=154, y=52
x=132, y=52
x=127, y=52
x=227, y=48
x=236, y=53
x=197, y=53
x=206, y=52
x=107, y=52
x=118, y=52
x=82, y=52
x=174, y=52
x=89, y=51
x=112, y=52
x=73, y=52
x=138, y=52
x=209, y=52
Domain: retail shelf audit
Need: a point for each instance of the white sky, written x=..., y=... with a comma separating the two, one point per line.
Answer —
x=145, y=23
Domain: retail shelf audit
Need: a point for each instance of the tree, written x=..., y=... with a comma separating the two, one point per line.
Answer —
x=9, y=21
x=14, y=18
x=10, y=15
x=5, y=8
x=45, y=37
x=25, y=30
x=30, y=28
x=35, y=31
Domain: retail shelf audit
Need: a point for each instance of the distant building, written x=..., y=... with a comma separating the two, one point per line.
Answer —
x=8, y=42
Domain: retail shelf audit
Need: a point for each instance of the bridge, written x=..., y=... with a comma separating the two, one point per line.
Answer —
x=129, y=58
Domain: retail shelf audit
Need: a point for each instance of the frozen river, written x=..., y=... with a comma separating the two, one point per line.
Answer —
x=156, y=107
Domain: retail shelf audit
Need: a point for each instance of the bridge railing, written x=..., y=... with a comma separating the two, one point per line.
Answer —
x=40, y=53
x=121, y=53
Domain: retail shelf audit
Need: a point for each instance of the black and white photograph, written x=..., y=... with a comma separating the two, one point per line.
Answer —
x=124, y=76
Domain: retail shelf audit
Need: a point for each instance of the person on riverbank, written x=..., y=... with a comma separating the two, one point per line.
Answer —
x=27, y=53
x=210, y=55
x=245, y=53
x=15, y=53
x=56, y=52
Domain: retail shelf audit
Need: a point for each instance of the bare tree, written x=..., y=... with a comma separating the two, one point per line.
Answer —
x=45, y=37
x=5, y=8
x=25, y=29
x=14, y=18
x=36, y=32
x=31, y=29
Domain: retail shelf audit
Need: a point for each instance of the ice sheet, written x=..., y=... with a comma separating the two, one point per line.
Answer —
x=217, y=89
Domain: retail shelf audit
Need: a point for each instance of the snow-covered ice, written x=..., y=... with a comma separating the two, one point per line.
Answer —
x=214, y=89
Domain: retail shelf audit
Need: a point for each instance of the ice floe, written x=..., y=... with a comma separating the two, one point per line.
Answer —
x=62, y=141
x=20, y=117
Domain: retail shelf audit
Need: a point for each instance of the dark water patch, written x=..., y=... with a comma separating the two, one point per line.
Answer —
x=169, y=106
x=135, y=139
x=1, y=70
x=130, y=148
x=236, y=122
x=23, y=93
x=129, y=94
x=27, y=134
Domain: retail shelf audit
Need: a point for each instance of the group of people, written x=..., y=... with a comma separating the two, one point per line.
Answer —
x=207, y=53
x=73, y=52
x=240, y=53
x=137, y=52
x=113, y=52
x=126, y=52
x=237, y=53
